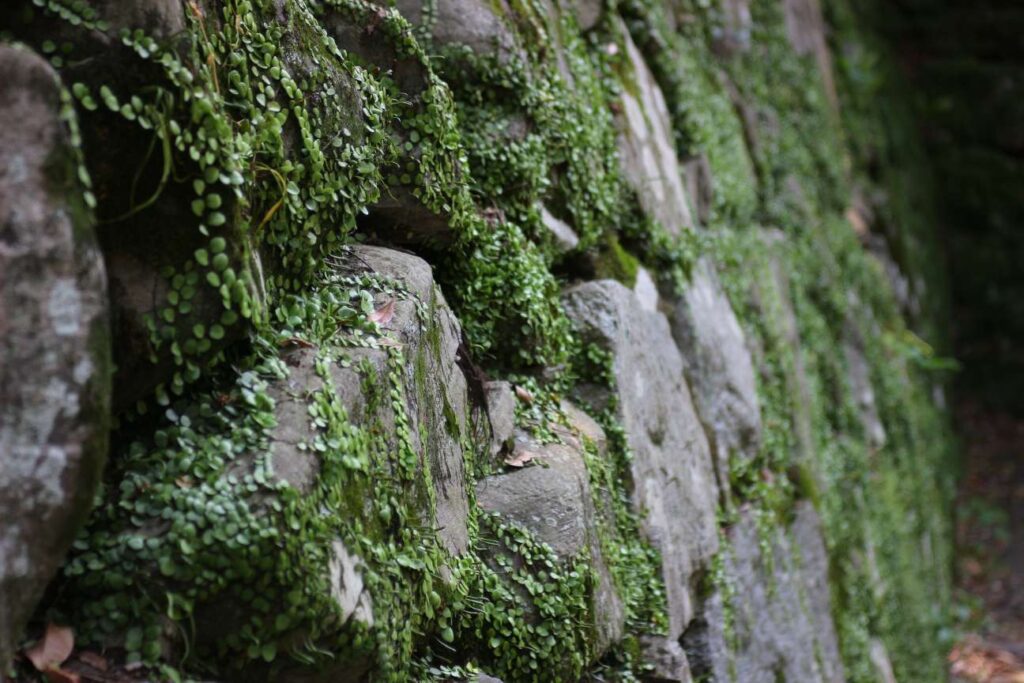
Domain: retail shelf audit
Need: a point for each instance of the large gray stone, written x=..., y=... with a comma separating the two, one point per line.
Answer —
x=647, y=148
x=54, y=340
x=774, y=299
x=733, y=35
x=671, y=474
x=551, y=496
x=780, y=625
x=501, y=414
x=438, y=394
x=858, y=372
x=482, y=26
x=700, y=186
x=563, y=236
x=806, y=30
x=442, y=419
x=666, y=659
x=718, y=367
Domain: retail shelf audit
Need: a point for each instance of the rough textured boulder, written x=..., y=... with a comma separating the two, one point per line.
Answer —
x=501, y=414
x=781, y=624
x=563, y=236
x=672, y=478
x=774, y=299
x=54, y=339
x=436, y=392
x=647, y=146
x=552, y=498
x=858, y=373
x=646, y=290
x=481, y=26
x=719, y=368
x=735, y=32
x=440, y=398
x=667, y=660
x=805, y=27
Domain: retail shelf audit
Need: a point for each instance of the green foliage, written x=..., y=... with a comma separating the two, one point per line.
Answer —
x=281, y=140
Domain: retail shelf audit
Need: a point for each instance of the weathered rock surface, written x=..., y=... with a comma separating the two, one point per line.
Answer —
x=699, y=185
x=781, y=624
x=672, y=477
x=806, y=30
x=564, y=237
x=774, y=298
x=440, y=417
x=647, y=147
x=480, y=25
x=718, y=367
x=54, y=340
x=646, y=290
x=437, y=392
x=667, y=660
x=735, y=32
x=501, y=414
x=552, y=497
x=858, y=373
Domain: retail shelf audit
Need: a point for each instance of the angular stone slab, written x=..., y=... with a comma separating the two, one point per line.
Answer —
x=667, y=660
x=647, y=147
x=672, y=477
x=480, y=25
x=444, y=406
x=552, y=498
x=780, y=605
x=774, y=299
x=858, y=373
x=441, y=418
x=54, y=340
x=718, y=366
x=806, y=30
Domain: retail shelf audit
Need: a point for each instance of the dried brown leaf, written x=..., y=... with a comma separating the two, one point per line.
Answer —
x=523, y=395
x=52, y=649
x=296, y=341
x=384, y=314
x=520, y=458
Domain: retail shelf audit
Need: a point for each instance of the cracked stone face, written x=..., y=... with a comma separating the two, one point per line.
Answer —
x=718, y=366
x=780, y=606
x=54, y=341
x=552, y=497
x=647, y=145
x=672, y=477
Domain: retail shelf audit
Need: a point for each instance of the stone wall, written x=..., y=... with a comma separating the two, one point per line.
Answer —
x=466, y=340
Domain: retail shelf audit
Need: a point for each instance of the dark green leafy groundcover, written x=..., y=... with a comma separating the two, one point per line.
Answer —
x=285, y=141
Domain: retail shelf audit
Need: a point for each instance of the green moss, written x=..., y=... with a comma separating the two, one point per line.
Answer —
x=285, y=139
x=615, y=263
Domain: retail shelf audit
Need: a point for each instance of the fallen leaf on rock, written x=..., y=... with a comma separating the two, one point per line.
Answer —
x=384, y=314
x=520, y=458
x=296, y=341
x=523, y=395
x=52, y=649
